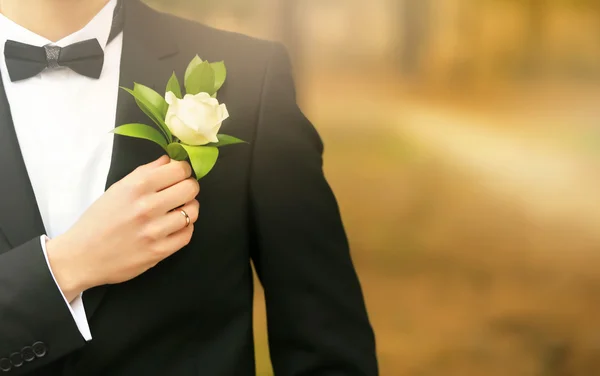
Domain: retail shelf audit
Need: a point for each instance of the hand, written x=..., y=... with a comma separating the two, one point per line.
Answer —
x=128, y=230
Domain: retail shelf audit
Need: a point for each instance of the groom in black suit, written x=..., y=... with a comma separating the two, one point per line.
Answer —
x=99, y=275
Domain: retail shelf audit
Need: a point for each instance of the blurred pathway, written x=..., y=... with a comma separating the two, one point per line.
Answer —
x=538, y=147
x=531, y=165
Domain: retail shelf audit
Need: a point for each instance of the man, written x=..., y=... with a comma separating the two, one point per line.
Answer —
x=100, y=271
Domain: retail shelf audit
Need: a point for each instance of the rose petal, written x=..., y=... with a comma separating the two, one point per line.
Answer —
x=171, y=98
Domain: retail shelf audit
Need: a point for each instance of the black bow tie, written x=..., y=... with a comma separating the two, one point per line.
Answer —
x=86, y=58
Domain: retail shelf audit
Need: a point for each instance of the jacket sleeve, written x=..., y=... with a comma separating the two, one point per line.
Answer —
x=36, y=326
x=317, y=321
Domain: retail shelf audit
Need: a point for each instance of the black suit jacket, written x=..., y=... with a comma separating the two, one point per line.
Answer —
x=266, y=202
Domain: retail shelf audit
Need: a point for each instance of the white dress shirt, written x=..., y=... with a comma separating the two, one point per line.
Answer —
x=63, y=122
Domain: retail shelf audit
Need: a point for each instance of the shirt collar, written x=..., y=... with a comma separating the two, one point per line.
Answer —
x=98, y=28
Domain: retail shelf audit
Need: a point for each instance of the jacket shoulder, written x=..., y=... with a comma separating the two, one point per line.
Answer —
x=214, y=44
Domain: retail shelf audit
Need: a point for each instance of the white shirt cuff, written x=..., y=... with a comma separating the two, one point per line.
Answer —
x=76, y=306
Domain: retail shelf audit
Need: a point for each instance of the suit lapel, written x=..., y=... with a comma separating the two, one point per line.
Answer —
x=20, y=218
x=146, y=59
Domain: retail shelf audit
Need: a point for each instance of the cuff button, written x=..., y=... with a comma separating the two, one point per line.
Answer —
x=28, y=354
x=16, y=359
x=39, y=349
x=5, y=365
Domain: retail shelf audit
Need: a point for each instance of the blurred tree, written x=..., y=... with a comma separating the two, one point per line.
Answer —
x=414, y=18
x=534, y=40
x=288, y=27
x=532, y=61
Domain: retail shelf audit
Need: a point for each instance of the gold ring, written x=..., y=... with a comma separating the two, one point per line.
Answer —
x=187, y=218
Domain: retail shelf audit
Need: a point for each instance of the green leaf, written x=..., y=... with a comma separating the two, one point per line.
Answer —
x=202, y=158
x=201, y=80
x=225, y=140
x=177, y=152
x=220, y=74
x=152, y=112
x=152, y=97
x=190, y=68
x=142, y=131
x=173, y=85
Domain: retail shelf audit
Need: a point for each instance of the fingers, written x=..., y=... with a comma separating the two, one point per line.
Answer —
x=175, y=241
x=176, y=195
x=167, y=175
x=157, y=175
x=175, y=221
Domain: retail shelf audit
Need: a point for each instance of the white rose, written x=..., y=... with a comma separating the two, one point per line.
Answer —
x=195, y=119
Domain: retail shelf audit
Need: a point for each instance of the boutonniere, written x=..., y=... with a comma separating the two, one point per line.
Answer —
x=188, y=125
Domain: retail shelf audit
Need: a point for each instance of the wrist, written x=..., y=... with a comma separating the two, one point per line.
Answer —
x=66, y=268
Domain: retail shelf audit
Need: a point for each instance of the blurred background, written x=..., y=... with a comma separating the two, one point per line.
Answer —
x=462, y=140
